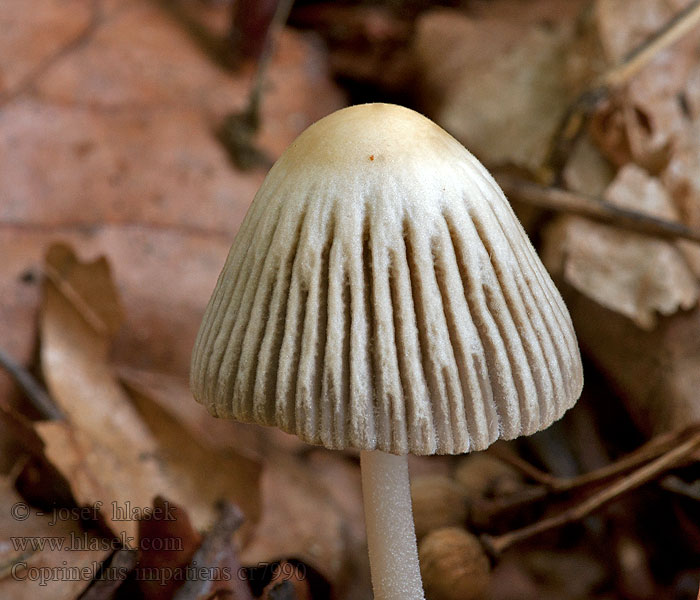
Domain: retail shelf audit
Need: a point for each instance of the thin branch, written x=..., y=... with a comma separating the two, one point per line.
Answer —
x=595, y=208
x=526, y=468
x=31, y=388
x=488, y=510
x=498, y=544
x=652, y=449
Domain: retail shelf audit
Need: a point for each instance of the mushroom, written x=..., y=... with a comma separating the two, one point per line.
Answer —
x=381, y=295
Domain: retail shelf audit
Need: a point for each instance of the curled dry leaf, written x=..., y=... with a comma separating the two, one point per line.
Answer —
x=104, y=450
x=644, y=120
x=629, y=273
x=660, y=379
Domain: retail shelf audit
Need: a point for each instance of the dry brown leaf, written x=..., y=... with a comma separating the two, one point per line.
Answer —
x=37, y=573
x=657, y=373
x=140, y=57
x=204, y=474
x=79, y=316
x=629, y=273
x=635, y=190
x=97, y=475
x=502, y=84
x=160, y=328
x=299, y=520
x=66, y=166
x=624, y=26
x=311, y=510
x=105, y=450
x=172, y=394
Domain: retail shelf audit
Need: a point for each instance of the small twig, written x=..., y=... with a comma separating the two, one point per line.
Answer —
x=498, y=544
x=487, y=510
x=213, y=551
x=595, y=208
x=527, y=469
x=32, y=389
x=645, y=453
x=578, y=114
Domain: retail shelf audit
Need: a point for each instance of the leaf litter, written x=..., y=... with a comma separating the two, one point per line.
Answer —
x=126, y=92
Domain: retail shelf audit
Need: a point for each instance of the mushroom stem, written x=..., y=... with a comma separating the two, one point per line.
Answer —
x=391, y=535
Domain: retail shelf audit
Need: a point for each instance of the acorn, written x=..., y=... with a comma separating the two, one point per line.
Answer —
x=480, y=475
x=438, y=502
x=453, y=565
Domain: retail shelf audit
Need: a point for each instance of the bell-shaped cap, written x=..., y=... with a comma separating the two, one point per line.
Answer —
x=381, y=294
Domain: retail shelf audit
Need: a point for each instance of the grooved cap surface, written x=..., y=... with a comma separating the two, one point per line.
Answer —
x=381, y=294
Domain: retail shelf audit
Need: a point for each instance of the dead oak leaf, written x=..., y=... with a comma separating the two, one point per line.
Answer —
x=632, y=274
x=105, y=450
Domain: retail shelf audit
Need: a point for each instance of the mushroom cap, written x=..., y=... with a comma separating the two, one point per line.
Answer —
x=381, y=294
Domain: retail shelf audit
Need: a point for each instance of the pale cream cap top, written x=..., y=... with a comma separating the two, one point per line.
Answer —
x=381, y=294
